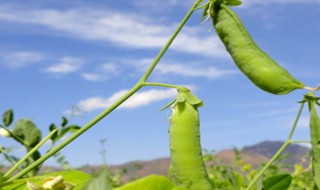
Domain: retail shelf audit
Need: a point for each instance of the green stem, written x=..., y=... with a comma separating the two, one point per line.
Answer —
x=33, y=150
x=77, y=133
x=12, y=135
x=275, y=156
x=296, y=121
x=165, y=48
x=161, y=85
x=299, y=141
x=282, y=148
x=103, y=114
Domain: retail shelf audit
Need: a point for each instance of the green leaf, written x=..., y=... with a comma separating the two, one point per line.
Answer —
x=52, y=127
x=69, y=129
x=2, y=180
x=184, y=95
x=208, y=7
x=232, y=2
x=168, y=105
x=64, y=122
x=7, y=117
x=316, y=171
x=99, y=181
x=74, y=177
x=28, y=132
x=180, y=98
x=277, y=182
x=64, y=131
x=205, y=12
x=193, y=100
x=235, y=179
x=154, y=182
x=55, y=135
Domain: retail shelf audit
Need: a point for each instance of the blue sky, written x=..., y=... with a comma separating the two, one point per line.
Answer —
x=58, y=54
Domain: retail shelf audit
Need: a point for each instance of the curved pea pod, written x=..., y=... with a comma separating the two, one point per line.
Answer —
x=187, y=166
x=314, y=125
x=262, y=70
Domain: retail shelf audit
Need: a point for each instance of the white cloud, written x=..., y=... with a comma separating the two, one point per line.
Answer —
x=139, y=99
x=104, y=71
x=158, y=6
x=66, y=65
x=159, y=3
x=110, y=68
x=279, y=1
x=188, y=41
x=193, y=71
x=21, y=59
x=92, y=76
x=186, y=69
x=122, y=29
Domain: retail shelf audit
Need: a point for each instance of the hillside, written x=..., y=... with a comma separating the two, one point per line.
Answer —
x=254, y=155
x=294, y=153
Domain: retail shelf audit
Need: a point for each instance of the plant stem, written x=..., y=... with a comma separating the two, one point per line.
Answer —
x=282, y=148
x=296, y=121
x=12, y=135
x=165, y=48
x=299, y=141
x=103, y=114
x=77, y=133
x=161, y=85
x=275, y=156
x=33, y=150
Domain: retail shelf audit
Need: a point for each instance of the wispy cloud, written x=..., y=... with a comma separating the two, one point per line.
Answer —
x=103, y=72
x=21, y=59
x=187, y=69
x=139, y=99
x=190, y=41
x=66, y=65
x=193, y=71
x=131, y=30
x=156, y=4
x=270, y=2
x=93, y=76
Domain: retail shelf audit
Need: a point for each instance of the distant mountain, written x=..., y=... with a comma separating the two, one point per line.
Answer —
x=294, y=153
x=135, y=169
x=254, y=155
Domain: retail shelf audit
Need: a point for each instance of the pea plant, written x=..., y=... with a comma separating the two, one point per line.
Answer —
x=187, y=170
x=27, y=134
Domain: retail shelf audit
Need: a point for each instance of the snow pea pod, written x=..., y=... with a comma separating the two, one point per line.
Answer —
x=187, y=165
x=262, y=70
x=314, y=125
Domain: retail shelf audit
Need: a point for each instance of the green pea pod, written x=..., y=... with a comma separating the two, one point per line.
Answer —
x=262, y=70
x=314, y=125
x=187, y=165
